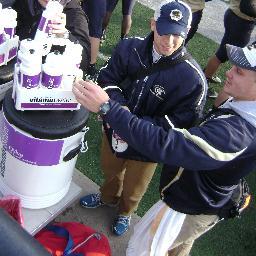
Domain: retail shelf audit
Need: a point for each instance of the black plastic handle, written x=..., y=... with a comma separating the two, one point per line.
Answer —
x=72, y=153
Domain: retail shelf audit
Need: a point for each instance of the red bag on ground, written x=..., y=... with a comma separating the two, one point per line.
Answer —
x=12, y=206
x=73, y=239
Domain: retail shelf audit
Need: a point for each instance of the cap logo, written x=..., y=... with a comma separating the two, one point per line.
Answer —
x=176, y=15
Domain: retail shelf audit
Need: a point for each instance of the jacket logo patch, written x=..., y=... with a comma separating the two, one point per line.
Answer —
x=158, y=91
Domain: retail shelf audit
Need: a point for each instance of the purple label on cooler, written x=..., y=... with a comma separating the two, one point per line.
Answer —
x=10, y=32
x=2, y=58
x=2, y=38
x=36, y=151
x=51, y=81
x=49, y=105
x=42, y=23
x=12, y=52
x=30, y=81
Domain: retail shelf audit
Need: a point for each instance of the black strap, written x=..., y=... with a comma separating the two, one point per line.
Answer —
x=238, y=202
x=163, y=63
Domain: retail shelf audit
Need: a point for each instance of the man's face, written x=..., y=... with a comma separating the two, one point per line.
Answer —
x=43, y=2
x=166, y=44
x=240, y=83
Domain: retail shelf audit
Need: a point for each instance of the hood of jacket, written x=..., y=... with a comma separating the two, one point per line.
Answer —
x=246, y=109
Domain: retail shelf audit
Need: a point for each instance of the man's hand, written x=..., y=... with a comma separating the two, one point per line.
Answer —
x=90, y=95
x=58, y=25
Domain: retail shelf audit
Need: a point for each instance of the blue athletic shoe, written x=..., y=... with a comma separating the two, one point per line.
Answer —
x=91, y=201
x=121, y=225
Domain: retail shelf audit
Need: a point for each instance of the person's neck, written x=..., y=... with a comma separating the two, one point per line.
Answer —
x=156, y=56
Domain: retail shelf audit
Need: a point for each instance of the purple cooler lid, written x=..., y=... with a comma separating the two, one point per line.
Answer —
x=53, y=124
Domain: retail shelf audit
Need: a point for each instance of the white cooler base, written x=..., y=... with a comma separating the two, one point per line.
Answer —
x=35, y=202
x=35, y=220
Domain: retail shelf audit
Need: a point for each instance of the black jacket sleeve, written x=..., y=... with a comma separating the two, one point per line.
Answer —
x=78, y=27
x=26, y=23
x=6, y=3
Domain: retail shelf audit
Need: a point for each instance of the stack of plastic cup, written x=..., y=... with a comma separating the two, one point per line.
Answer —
x=52, y=72
x=53, y=8
x=73, y=57
x=25, y=46
x=9, y=16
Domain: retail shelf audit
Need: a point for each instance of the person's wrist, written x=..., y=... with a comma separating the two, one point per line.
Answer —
x=104, y=108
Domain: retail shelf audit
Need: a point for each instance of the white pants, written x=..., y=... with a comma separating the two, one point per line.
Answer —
x=156, y=231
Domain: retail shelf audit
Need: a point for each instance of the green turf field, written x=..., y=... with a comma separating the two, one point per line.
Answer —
x=233, y=238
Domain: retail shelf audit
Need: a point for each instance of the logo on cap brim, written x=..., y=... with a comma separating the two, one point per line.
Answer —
x=176, y=15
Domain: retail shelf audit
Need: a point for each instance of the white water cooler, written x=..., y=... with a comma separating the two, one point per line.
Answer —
x=38, y=152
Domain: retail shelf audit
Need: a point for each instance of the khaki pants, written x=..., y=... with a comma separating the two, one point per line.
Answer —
x=193, y=227
x=126, y=181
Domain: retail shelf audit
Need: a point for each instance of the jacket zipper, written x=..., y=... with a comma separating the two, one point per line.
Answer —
x=144, y=81
x=139, y=58
x=140, y=94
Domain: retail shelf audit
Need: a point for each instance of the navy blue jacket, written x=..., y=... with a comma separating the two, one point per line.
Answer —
x=172, y=97
x=203, y=164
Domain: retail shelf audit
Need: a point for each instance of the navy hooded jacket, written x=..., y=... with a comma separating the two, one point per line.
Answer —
x=172, y=97
x=202, y=165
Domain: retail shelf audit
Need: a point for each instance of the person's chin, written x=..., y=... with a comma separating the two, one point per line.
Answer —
x=227, y=85
x=227, y=88
x=167, y=52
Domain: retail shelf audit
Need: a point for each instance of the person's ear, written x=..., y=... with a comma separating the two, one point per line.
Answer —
x=152, y=24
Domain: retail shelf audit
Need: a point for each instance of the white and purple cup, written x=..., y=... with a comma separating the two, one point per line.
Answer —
x=52, y=9
x=29, y=77
x=26, y=46
x=2, y=37
x=52, y=72
x=73, y=53
x=3, y=56
x=10, y=21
